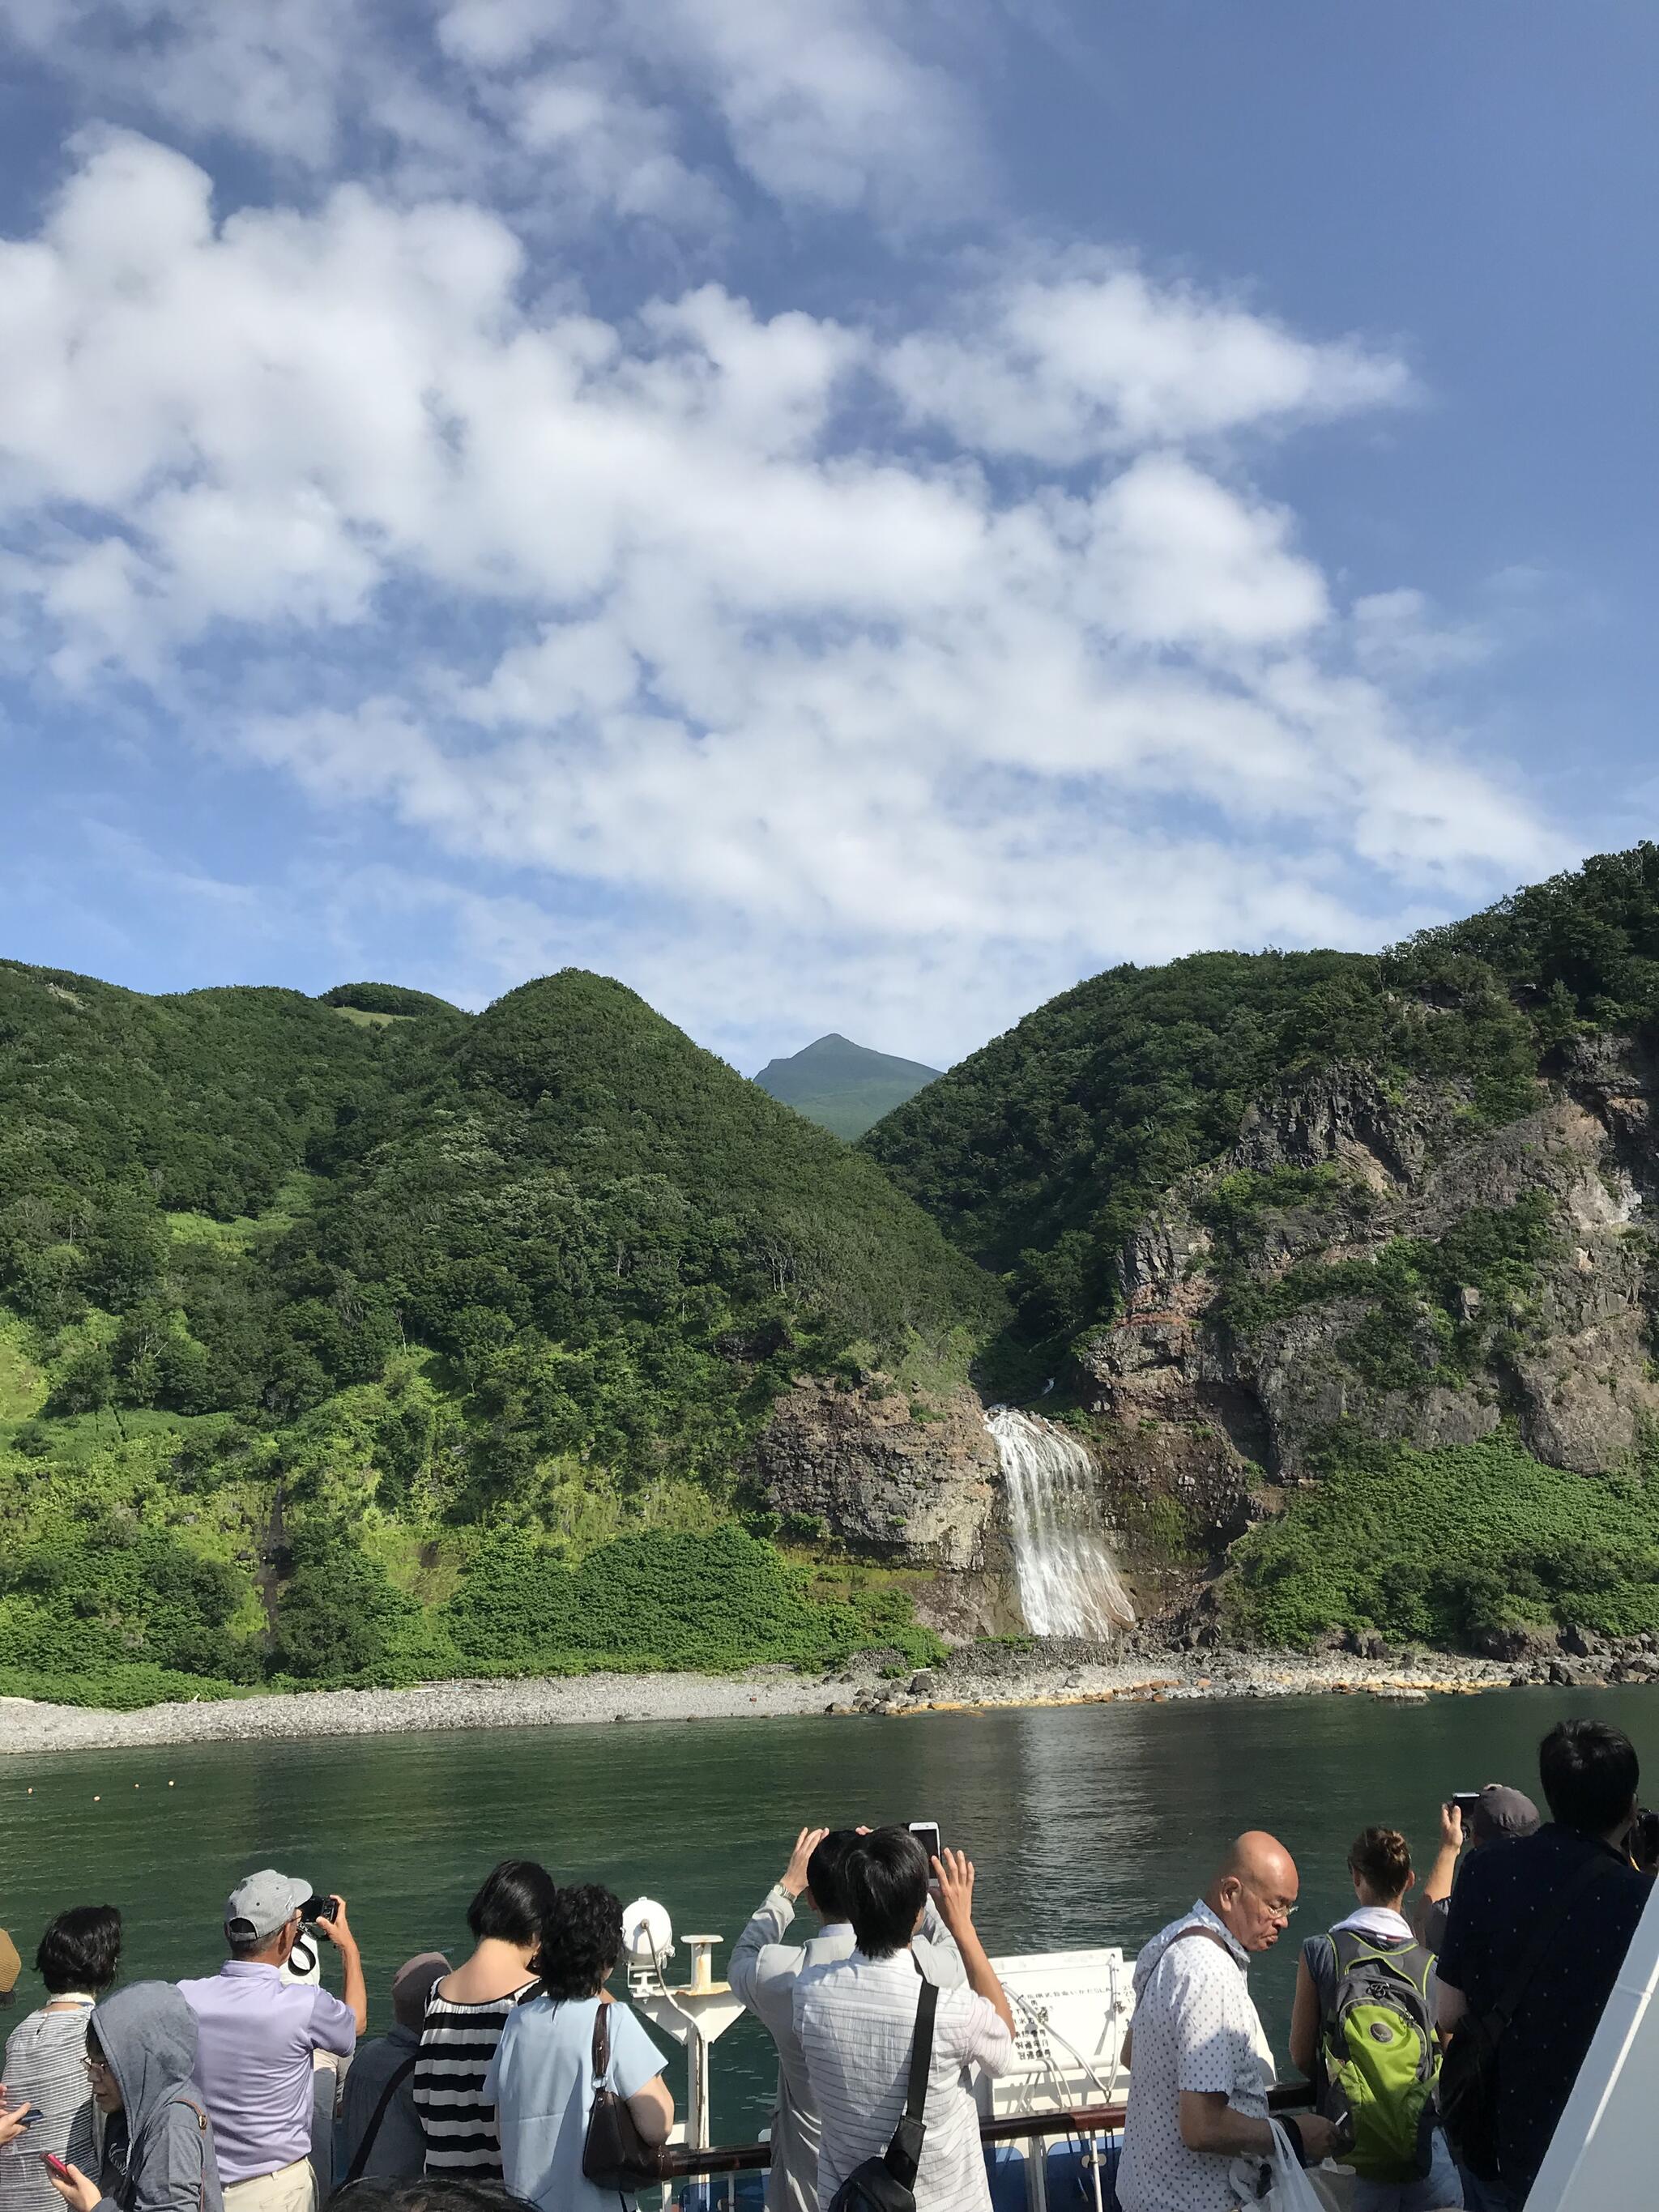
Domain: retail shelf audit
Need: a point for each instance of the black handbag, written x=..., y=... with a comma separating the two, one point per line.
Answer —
x=888, y=2184
x=1468, y=2073
x=615, y=2154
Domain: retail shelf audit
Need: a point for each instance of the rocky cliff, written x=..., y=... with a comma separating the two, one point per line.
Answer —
x=1375, y=1255
x=902, y=1481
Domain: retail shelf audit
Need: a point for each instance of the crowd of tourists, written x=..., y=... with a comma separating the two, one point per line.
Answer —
x=1440, y=2032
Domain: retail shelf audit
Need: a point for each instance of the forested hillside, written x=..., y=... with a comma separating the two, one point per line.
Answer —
x=1346, y=1262
x=359, y=1338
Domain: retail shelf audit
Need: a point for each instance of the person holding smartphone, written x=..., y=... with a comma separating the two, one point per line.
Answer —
x=158, y=2141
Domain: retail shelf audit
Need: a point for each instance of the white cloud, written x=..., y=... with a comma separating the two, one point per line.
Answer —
x=669, y=610
x=1095, y=359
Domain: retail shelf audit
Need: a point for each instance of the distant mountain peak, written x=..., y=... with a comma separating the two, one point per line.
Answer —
x=845, y=1087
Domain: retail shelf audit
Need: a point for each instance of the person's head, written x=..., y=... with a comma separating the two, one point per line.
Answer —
x=1500, y=1815
x=884, y=1876
x=826, y=1885
x=106, y=2089
x=412, y=1987
x=513, y=1905
x=80, y=1950
x=1381, y=1864
x=141, y=2044
x=582, y=1942
x=262, y=1917
x=1253, y=1895
x=1590, y=1778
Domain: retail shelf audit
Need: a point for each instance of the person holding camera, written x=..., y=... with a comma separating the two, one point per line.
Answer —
x=260, y=2035
x=858, y=2018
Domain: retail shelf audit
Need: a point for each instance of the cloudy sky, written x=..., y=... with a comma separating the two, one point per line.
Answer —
x=843, y=513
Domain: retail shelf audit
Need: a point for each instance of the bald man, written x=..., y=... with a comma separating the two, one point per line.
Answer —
x=1201, y=2068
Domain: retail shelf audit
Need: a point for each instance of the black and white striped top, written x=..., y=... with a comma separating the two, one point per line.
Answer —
x=457, y=2045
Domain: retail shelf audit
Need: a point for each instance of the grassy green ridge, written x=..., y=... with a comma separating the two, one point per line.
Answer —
x=301, y=1322
x=844, y=1087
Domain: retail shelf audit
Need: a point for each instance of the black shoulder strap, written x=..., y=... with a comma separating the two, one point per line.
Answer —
x=921, y=2052
x=1498, y=2018
x=395, y=2082
x=601, y=2053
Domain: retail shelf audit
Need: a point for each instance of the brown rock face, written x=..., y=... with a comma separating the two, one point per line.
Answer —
x=1568, y=1358
x=920, y=1492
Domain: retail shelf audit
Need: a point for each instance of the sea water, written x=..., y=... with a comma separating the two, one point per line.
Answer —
x=1089, y=1825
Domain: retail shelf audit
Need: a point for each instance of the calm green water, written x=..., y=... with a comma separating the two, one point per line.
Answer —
x=1089, y=1825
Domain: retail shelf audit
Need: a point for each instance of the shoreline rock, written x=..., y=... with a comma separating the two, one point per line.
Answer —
x=976, y=1678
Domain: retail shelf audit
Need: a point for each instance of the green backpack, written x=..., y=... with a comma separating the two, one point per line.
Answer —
x=1380, y=2056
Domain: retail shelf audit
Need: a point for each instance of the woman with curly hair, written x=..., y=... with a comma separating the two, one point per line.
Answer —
x=540, y=2082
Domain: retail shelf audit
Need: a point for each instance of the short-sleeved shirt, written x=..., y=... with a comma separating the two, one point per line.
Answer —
x=1196, y=2028
x=541, y=2083
x=1495, y=1911
x=856, y=2019
x=254, y=2062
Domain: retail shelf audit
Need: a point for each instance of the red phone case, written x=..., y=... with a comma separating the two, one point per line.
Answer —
x=53, y=2164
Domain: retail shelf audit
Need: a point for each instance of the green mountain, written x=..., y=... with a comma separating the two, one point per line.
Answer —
x=1351, y=1252
x=361, y=1339
x=843, y=1086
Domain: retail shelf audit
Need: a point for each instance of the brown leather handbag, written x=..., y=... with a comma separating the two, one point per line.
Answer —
x=615, y=2154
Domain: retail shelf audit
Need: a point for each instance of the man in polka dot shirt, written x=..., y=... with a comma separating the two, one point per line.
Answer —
x=1200, y=2065
x=1591, y=1776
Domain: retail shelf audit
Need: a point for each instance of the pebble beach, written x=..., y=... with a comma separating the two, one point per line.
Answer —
x=975, y=1678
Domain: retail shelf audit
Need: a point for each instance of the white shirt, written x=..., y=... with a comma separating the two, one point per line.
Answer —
x=855, y=2018
x=1196, y=2028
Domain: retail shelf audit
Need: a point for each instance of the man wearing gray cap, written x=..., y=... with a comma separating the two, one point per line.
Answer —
x=1497, y=1815
x=259, y=2034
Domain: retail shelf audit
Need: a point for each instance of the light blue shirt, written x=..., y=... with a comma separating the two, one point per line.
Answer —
x=541, y=2083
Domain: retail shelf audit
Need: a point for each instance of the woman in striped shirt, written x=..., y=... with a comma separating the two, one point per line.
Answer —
x=45, y=2054
x=466, y=2013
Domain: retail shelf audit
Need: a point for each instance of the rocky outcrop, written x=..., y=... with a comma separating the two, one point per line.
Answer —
x=1566, y=1354
x=921, y=1491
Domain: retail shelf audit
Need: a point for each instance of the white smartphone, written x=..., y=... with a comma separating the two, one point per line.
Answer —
x=927, y=1834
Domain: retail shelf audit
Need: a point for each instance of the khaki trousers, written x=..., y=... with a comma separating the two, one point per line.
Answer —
x=290, y=2189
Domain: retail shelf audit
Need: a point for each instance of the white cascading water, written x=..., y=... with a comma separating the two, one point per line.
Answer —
x=1069, y=1584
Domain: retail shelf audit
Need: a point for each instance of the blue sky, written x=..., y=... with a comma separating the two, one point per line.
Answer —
x=844, y=515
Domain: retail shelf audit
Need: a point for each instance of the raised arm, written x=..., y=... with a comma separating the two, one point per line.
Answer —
x=1437, y=1884
x=356, y=1991
x=954, y=1872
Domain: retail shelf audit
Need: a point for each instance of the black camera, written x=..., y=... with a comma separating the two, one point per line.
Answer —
x=1644, y=1841
x=318, y=1908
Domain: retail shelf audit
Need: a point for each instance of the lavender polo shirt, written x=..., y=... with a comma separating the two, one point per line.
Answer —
x=254, y=2063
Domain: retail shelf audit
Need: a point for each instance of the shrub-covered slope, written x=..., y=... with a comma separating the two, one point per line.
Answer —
x=302, y=1319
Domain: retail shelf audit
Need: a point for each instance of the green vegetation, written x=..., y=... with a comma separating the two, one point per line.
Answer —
x=1040, y=1153
x=1437, y=1310
x=302, y=1320
x=844, y=1087
x=1446, y=1546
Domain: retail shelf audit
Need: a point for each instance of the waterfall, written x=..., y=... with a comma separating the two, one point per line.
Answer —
x=1069, y=1584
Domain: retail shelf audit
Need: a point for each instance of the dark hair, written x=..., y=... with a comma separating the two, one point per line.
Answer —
x=81, y=1949
x=1590, y=1775
x=582, y=1942
x=1381, y=1858
x=826, y=1875
x=513, y=1904
x=886, y=1879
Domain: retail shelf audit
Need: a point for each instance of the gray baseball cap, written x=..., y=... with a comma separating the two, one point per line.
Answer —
x=1502, y=1813
x=263, y=1904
